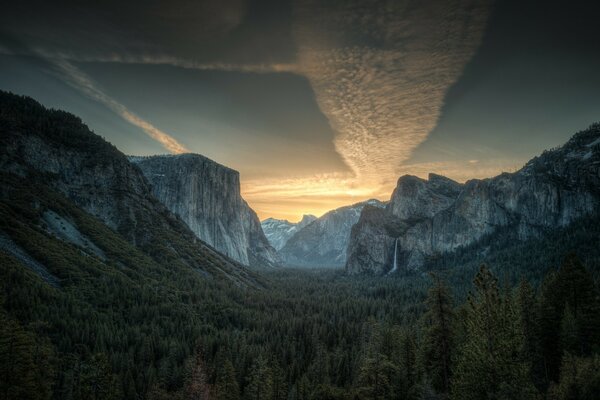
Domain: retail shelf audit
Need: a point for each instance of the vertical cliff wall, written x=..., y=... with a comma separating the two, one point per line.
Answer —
x=438, y=216
x=206, y=196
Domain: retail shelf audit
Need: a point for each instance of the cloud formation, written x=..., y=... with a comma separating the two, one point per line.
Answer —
x=80, y=81
x=381, y=69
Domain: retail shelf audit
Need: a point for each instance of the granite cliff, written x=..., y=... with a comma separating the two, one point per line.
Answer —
x=206, y=196
x=52, y=154
x=437, y=216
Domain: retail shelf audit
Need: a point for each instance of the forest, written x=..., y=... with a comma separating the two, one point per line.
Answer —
x=310, y=334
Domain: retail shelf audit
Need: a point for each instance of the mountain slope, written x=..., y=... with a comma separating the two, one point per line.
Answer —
x=53, y=151
x=323, y=242
x=279, y=231
x=206, y=196
x=437, y=217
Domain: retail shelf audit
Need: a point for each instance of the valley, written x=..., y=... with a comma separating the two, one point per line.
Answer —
x=152, y=278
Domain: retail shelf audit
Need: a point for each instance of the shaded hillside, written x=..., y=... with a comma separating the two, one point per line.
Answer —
x=55, y=149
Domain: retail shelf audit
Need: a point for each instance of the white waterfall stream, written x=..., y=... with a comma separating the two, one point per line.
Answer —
x=395, y=267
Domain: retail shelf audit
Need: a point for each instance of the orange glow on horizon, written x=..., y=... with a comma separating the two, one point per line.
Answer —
x=294, y=197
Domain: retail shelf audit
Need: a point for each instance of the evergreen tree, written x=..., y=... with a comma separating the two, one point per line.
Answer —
x=375, y=379
x=407, y=366
x=260, y=381
x=97, y=381
x=197, y=387
x=226, y=385
x=17, y=368
x=439, y=339
x=280, y=385
x=490, y=364
x=569, y=332
x=528, y=311
x=579, y=379
x=572, y=285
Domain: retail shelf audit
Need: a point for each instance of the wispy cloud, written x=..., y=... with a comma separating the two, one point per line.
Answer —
x=80, y=81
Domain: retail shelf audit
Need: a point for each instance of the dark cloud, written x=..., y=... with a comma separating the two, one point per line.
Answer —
x=201, y=31
x=532, y=84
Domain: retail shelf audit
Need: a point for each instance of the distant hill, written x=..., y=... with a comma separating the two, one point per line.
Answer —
x=323, y=242
x=279, y=231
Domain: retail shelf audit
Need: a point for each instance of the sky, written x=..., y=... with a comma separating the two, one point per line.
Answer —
x=318, y=104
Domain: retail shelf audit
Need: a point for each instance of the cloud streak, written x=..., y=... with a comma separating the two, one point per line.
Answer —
x=77, y=79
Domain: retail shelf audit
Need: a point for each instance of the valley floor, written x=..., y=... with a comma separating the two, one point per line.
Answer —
x=309, y=334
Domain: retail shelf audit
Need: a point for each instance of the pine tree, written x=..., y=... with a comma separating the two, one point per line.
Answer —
x=407, y=365
x=376, y=370
x=280, y=385
x=97, y=381
x=439, y=339
x=490, y=365
x=226, y=385
x=528, y=311
x=579, y=379
x=260, y=381
x=20, y=377
x=197, y=387
x=569, y=332
x=572, y=285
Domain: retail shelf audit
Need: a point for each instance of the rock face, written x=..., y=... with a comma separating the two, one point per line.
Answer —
x=323, y=242
x=437, y=216
x=56, y=151
x=279, y=231
x=206, y=196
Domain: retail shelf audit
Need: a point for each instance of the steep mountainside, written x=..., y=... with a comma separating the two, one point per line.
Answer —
x=279, y=231
x=323, y=242
x=54, y=153
x=206, y=196
x=433, y=217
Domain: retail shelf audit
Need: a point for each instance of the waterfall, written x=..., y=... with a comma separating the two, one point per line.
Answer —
x=395, y=267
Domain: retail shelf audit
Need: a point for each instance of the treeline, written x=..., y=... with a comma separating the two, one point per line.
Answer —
x=320, y=335
x=502, y=343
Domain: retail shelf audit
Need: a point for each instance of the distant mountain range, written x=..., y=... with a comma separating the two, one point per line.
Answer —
x=279, y=231
x=323, y=242
x=185, y=212
x=435, y=218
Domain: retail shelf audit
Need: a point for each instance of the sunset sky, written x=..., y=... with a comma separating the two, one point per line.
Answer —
x=318, y=104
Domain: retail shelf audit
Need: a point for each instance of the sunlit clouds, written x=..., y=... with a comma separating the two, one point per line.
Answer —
x=290, y=198
x=316, y=194
x=379, y=72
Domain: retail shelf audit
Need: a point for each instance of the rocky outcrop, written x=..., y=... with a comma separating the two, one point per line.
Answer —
x=53, y=150
x=438, y=216
x=279, y=231
x=323, y=242
x=206, y=196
